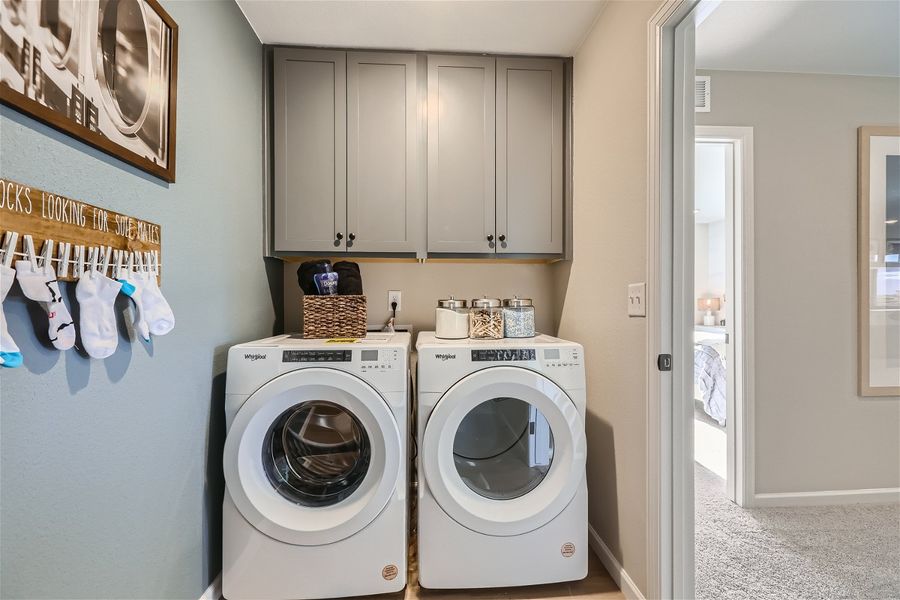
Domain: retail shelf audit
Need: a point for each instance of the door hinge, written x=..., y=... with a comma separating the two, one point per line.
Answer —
x=664, y=362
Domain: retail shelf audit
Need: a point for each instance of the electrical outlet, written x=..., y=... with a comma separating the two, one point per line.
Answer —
x=637, y=301
x=394, y=296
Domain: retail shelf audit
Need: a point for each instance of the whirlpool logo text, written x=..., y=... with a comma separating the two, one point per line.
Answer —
x=445, y=357
x=253, y=357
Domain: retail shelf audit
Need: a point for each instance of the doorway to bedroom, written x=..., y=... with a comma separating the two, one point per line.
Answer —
x=722, y=193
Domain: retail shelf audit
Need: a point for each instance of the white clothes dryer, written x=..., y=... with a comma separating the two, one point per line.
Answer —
x=315, y=468
x=502, y=496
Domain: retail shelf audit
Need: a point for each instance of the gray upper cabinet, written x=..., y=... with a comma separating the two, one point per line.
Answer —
x=310, y=194
x=461, y=94
x=385, y=199
x=529, y=156
x=407, y=153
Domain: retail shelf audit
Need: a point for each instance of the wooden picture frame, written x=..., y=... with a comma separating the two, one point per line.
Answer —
x=101, y=71
x=879, y=265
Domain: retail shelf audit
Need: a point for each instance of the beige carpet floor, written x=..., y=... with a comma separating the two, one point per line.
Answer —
x=829, y=552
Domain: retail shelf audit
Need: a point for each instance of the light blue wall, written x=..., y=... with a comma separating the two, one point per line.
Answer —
x=111, y=470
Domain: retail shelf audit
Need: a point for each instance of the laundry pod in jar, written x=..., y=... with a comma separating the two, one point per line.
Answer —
x=518, y=317
x=451, y=319
x=486, y=319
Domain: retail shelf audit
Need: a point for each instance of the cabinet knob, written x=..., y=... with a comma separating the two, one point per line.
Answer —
x=339, y=236
x=502, y=237
x=490, y=237
x=351, y=237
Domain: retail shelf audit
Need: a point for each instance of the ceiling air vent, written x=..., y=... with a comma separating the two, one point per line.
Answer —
x=701, y=93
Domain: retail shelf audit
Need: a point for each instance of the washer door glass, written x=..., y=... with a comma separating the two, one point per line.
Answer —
x=316, y=453
x=503, y=448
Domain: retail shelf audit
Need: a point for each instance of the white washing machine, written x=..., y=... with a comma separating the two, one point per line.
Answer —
x=315, y=468
x=502, y=497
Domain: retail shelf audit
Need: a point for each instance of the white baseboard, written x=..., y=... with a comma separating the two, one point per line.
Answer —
x=829, y=497
x=214, y=591
x=616, y=571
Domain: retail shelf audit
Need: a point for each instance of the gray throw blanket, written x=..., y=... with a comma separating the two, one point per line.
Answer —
x=710, y=378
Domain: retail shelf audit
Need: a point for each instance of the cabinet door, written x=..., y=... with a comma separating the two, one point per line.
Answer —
x=310, y=150
x=529, y=156
x=385, y=205
x=461, y=93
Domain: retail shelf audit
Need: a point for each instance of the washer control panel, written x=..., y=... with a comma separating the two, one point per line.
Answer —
x=319, y=356
x=384, y=361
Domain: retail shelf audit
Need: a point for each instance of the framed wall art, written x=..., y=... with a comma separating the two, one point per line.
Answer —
x=879, y=261
x=102, y=71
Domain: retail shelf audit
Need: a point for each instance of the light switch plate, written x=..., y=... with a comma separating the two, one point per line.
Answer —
x=637, y=299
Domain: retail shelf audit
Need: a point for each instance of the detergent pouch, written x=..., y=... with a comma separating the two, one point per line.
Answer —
x=327, y=282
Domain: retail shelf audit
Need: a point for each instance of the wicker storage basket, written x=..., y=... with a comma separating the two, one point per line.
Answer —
x=334, y=316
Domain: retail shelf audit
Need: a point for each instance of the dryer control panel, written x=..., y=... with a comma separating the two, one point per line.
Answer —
x=555, y=358
x=503, y=354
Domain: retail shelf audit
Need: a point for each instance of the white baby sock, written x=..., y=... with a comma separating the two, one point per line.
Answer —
x=40, y=285
x=96, y=295
x=10, y=356
x=153, y=306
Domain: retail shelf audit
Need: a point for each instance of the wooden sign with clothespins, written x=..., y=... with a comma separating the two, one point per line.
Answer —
x=74, y=229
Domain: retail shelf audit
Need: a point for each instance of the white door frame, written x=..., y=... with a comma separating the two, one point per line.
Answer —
x=670, y=522
x=671, y=139
x=739, y=309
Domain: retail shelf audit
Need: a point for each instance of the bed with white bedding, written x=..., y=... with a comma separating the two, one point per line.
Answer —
x=710, y=375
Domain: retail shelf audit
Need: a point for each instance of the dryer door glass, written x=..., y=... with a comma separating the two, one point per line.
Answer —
x=316, y=453
x=503, y=448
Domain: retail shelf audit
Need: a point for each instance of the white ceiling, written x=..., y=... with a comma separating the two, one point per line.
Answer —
x=851, y=37
x=551, y=27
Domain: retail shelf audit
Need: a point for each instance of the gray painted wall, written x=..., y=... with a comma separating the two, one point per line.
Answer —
x=111, y=470
x=813, y=432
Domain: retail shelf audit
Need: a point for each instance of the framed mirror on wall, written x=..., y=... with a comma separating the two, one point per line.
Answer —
x=879, y=261
x=102, y=71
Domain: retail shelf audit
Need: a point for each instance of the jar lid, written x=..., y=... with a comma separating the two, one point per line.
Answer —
x=518, y=302
x=452, y=303
x=485, y=302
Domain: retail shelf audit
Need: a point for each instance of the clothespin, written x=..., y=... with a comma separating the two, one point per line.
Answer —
x=117, y=264
x=155, y=256
x=79, y=261
x=129, y=263
x=138, y=261
x=148, y=262
x=47, y=255
x=106, y=252
x=64, y=250
x=94, y=255
x=9, y=247
x=28, y=245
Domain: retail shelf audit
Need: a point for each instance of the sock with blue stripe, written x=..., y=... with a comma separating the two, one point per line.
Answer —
x=10, y=357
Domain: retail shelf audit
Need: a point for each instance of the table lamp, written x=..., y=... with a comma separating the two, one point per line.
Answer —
x=709, y=305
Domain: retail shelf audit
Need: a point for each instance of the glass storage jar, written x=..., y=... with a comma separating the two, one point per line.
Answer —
x=486, y=319
x=518, y=317
x=451, y=319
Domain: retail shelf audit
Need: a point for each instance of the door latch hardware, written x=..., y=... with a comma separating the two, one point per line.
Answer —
x=664, y=362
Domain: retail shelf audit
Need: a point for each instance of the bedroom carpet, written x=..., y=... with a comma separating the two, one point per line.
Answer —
x=850, y=551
